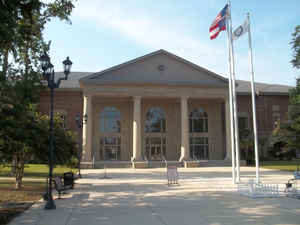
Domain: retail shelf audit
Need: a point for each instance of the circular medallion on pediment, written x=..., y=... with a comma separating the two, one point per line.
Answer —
x=161, y=67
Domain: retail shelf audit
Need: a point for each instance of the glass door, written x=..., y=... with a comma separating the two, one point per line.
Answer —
x=110, y=148
x=155, y=148
x=199, y=148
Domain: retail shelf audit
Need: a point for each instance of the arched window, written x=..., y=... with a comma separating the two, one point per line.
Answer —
x=110, y=120
x=155, y=121
x=198, y=121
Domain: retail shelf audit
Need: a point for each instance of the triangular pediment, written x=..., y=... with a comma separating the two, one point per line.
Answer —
x=160, y=67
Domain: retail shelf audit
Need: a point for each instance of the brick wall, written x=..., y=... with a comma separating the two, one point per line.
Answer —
x=69, y=102
x=264, y=107
x=267, y=106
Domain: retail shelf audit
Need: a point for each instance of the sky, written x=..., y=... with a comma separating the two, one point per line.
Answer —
x=107, y=33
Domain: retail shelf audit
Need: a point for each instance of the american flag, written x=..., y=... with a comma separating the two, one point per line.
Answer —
x=219, y=23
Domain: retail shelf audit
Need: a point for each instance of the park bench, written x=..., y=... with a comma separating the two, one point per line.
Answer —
x=59, y=187
x=64, y=183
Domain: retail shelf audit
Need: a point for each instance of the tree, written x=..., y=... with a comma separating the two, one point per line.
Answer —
x=285, y=140
x=21, y=44
x=292, y=127
x=286, y=137
x=25, y=137
x=21, y=30
x=278, y=143
x=65, y=144
x=296, y=47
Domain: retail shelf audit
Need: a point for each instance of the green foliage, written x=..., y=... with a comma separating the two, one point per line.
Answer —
x=247, y=145
x=292, y=128
x=64, y=140
x=286, y=137
x=37, y=170
x=281, y=165
x=285, y=140
x=278, y=143
x=72, y=162
x=21, y=32
x=23, y=132
x=296, y=47
x=24, y=136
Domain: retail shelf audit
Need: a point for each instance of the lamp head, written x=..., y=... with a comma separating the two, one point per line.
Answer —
x=50, y=68
x=67, y=63
x=45, y=60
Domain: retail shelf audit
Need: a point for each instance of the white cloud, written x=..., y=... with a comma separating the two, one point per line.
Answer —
x=150, y=32
x=155, y=32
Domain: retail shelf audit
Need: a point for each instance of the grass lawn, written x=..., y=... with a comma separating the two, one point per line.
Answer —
x=32, y=189
x=37, y=170
x=280, y=165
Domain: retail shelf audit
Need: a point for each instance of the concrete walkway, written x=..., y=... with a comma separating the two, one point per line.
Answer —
x=138, y=197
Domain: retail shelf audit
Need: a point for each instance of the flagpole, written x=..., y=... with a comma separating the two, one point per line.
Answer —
x=253, y=101
x=236, y=129
x=231, y=103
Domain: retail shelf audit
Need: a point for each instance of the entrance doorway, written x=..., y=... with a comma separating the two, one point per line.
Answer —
x=155, y=129
x=199, y=148
x=155, y=148
x=110, y=148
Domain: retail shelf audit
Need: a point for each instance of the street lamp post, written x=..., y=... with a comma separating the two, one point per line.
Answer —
x=79, y=123
x=48, y=74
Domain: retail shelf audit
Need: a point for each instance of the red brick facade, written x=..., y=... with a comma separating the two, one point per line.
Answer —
x=68, y=102
x=268, y=106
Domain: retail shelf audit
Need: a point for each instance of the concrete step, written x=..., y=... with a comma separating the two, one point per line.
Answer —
x=161, y=164
x=112, y=164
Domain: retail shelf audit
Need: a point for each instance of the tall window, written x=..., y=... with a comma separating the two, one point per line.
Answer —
x=155, y=128
x=199, y=144
x=110, y=143
x=198, y=121
x=155, y=121
x=110, y=120
x=275, y=115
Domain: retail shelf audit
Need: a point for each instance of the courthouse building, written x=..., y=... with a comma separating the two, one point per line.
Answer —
x=160, y=106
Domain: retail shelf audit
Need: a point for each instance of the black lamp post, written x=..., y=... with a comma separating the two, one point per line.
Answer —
x=79, y=123
x=48, y=74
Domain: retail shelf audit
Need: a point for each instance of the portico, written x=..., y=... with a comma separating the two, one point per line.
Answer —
x=155, y=107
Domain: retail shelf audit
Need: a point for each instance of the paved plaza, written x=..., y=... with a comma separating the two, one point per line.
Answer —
x=142, y=197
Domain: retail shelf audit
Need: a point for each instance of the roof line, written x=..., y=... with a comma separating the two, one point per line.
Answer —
x=161, y=51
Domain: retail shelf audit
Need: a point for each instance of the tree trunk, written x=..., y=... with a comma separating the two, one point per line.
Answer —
x=19, y=173
x=4, y=65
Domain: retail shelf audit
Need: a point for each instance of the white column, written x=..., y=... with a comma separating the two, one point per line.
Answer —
x=87, y=130
x=136, y=133
x=185, y=154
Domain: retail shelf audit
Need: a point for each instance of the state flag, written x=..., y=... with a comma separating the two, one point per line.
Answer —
x=240, y=30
